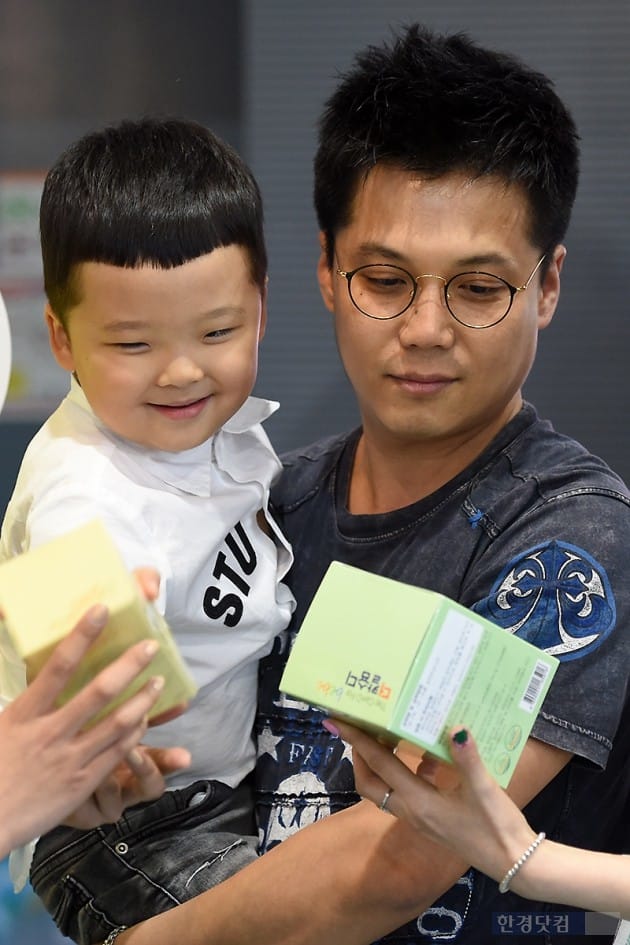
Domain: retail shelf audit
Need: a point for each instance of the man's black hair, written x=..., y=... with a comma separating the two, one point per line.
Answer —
x=436, y=104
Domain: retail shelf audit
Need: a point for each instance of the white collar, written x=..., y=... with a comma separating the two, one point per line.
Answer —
x=190, y=470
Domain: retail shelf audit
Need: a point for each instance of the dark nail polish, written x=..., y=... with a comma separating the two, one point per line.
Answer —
x=461, y=737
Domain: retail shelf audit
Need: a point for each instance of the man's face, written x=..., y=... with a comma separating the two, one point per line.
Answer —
x=423, y=377
x=164, y=356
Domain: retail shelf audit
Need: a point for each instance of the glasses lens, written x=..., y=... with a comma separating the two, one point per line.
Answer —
x=381, y=291
x=478, y=299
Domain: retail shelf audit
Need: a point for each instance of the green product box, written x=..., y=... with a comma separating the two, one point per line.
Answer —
x=406, y=663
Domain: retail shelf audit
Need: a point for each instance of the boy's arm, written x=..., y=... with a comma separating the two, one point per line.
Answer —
x=345, y=880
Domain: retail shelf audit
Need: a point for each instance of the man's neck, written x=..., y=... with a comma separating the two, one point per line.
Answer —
x=382, y=482
x=389, y=474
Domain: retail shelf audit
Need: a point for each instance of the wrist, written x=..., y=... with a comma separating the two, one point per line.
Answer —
x=520, y=862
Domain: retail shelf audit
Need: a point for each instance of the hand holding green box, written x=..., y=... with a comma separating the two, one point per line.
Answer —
x=44, y=592
x=407, y=663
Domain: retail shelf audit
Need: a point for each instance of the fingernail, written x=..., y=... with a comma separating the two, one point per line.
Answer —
x=135, y=758
x=157, y=683
x=151, y=647
x=460, y=737
x=97, y=616
x=328, y=725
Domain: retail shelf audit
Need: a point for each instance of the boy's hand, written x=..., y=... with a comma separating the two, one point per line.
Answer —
x=149, y=581
x=139, y=778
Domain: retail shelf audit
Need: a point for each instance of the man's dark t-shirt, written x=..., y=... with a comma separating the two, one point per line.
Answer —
x=534, y=535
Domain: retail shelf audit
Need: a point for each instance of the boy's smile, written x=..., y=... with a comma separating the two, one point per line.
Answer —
x=183, y=411
x=164, y=356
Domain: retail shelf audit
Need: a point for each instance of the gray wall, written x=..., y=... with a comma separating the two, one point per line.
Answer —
x=68, y=66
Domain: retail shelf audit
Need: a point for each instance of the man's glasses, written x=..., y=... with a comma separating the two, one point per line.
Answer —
x=474, y=299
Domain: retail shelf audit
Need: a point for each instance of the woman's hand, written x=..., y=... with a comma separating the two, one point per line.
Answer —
x=54, y=768
x=467, y=812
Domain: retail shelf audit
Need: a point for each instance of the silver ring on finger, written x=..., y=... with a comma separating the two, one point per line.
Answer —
x=383, y=805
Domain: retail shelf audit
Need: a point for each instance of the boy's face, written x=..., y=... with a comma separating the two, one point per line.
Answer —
x=164, y=356
x=423, y=378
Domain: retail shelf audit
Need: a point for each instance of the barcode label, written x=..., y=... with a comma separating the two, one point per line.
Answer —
x=535, y=684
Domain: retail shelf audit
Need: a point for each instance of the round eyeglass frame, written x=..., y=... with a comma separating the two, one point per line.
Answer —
x=513, y=289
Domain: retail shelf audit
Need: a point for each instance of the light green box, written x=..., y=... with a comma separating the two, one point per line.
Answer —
x=407, y=663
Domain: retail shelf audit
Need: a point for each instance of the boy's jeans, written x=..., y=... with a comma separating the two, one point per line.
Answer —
x=156, y=856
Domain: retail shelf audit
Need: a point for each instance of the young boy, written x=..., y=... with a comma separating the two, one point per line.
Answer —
x=155, y=274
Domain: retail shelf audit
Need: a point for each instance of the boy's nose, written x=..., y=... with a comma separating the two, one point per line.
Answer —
x=179, y=372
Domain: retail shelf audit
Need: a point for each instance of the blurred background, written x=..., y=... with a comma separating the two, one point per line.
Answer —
x=257, y=72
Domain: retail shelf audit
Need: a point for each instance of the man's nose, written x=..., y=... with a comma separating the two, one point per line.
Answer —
x=427, y=322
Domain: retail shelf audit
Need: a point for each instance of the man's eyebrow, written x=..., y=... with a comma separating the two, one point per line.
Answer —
x=379, y=249
x=474, y=260
x=486, y=259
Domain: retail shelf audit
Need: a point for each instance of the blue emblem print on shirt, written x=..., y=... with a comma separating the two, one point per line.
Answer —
x=556, y=596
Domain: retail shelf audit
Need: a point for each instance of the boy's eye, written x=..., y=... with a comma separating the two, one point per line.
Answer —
x=131, y=345
x=218, y=334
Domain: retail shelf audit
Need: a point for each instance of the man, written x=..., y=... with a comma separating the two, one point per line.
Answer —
x=444, y=182
x=445, y=178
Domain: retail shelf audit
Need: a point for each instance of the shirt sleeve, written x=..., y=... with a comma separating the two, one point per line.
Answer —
x=557, y=577
x=62, y=501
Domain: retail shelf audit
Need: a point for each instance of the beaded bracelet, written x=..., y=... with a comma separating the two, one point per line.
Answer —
x=504, y=885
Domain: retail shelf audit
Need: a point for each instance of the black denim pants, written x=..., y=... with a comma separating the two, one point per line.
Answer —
x=156, y=856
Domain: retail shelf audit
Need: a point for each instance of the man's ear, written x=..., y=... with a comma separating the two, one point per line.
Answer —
x=59, y=340
x=325, y=274
x=550, y=287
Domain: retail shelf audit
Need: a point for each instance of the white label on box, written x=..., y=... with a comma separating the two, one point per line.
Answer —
x=439, y=685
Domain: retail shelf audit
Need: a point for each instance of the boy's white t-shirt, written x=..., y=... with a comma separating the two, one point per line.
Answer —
x=192, y=516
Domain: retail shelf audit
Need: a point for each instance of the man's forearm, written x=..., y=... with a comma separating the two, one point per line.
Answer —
x=345, y=880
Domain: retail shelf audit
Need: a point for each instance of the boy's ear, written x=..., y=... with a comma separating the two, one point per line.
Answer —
x=263, y=311
x=325, y=274
x=59, y=340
